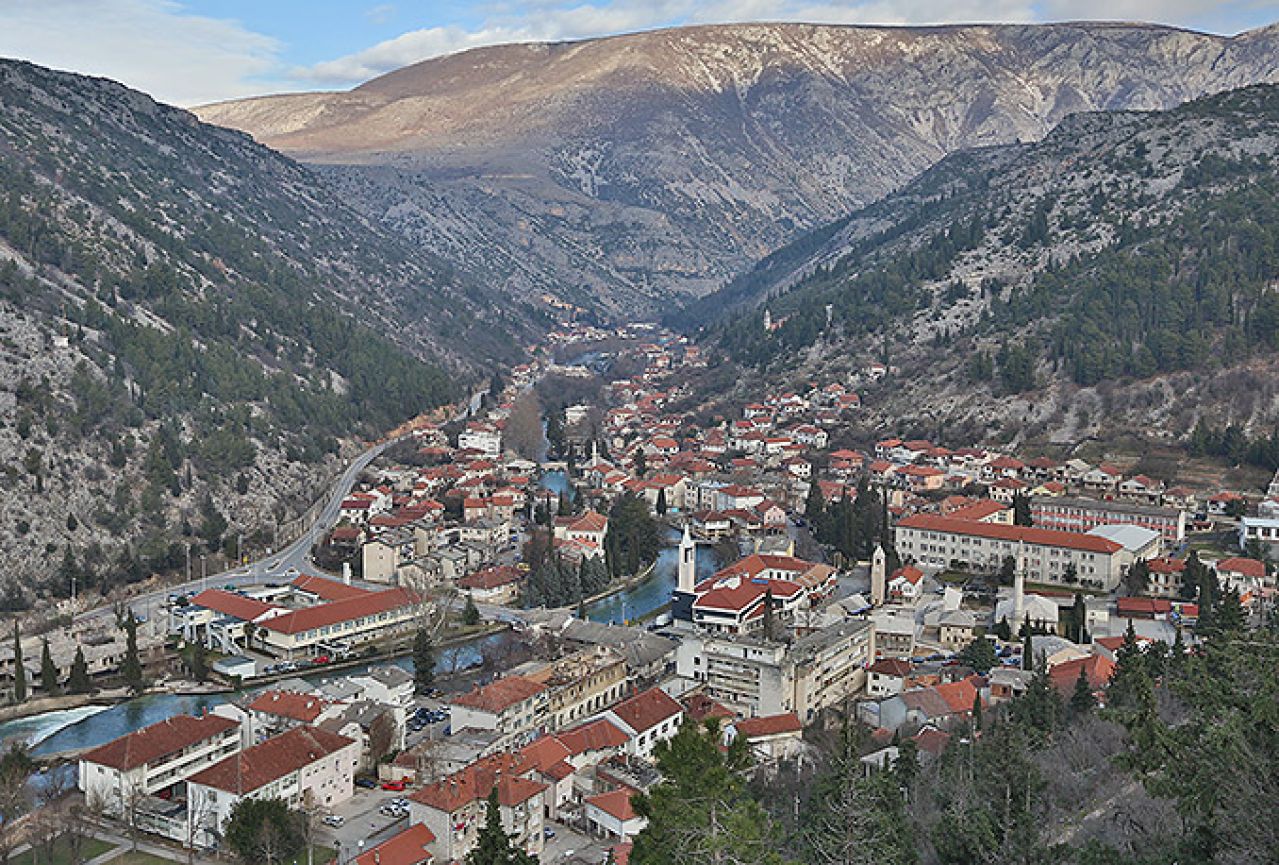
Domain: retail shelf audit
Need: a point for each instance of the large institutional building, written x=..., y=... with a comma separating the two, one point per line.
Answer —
x=1043, y=555
x=1084, y=515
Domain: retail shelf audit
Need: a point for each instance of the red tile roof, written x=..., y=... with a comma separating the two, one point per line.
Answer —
x=1098, y=669
x=1142, y=606
x=615, y=803
x=543, y=753
x=476, y=781
x=329, y=590
x=595, y=735
x=344, y=610
x=589, y=522
x=231, y=604
x=289, y=704
x=647, y=709
x=958, y=695
x=977, y=510
x=998, y=531
x=254, y=768
x=490, y=578
x=699, y=707
x=499, y=695
x=406, y=848
x=769, y=725
x=890, y=667
x=1239, y=565
x=158, y=740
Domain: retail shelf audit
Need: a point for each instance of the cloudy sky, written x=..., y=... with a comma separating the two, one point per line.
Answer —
x=194, y=51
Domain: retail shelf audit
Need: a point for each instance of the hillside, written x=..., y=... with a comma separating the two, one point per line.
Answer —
x=1118, y=277
x=615, y=173
x=189, y=324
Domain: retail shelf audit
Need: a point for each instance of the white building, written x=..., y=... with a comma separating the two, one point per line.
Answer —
x=306, y=764
x=150, y=761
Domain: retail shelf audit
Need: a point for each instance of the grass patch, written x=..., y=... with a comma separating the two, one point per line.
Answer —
x=89, y=849
x=140, y=858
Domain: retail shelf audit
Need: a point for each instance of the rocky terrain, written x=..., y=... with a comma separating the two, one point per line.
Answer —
x=191, y=326
x=614, y=173
x=1117, y=278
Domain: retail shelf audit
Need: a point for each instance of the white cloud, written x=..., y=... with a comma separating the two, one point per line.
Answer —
x=152, y=45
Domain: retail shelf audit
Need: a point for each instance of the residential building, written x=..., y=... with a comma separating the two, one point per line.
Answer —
x=647, y=718
x=511, y=705
x=453, y=809
x=147, y=762
x=306, y=764
x=410, y=847
x=611, y=815
x=886, y=677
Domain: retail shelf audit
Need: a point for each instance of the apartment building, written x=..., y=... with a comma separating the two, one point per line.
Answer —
x=1083, y=515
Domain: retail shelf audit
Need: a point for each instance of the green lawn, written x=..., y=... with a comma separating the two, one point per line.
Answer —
x=90, y=848
x=140, y=858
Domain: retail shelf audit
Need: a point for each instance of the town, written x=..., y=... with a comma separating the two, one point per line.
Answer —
x=513, y=609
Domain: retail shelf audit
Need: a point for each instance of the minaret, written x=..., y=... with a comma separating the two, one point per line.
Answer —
x=768, y=320
x=878, y=576
x=687, y=563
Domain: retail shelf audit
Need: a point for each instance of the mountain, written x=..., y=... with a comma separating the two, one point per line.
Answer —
x=616, y=173
x=1119, y=276
x=190, y=324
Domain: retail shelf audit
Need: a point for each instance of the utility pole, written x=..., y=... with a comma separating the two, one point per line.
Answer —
x=188, y=563
x=204, y=572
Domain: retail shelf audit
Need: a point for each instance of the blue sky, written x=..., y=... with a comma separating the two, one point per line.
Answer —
x=194, y=51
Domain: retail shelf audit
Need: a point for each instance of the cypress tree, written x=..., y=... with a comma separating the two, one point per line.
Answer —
x=79, y=682
x=48, y=671
x=19, y=671
x=1027, y=650
x=131, y=667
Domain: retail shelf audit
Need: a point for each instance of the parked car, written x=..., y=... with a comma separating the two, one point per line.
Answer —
x=366, y=783
x=334, y=820
x=395, y=786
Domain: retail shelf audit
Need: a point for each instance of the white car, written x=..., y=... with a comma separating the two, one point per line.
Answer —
x=334, y=820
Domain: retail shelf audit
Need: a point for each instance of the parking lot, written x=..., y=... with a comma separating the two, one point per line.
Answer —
x=363, y=824
x=571, y=846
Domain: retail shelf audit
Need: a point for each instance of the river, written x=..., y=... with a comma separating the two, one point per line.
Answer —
x=643, y=598
x=90, y=726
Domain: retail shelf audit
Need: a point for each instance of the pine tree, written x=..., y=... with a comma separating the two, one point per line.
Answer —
x=131, y=667
x=1021, y=511
x=199, y=661
x=661, y=506
x=48, y=671
x=1082, y=700
x=423, y=660
x=470, y=613
x=1003, y=630
x=19, y=671
x=492, y=845
x=79, y=681
x=814, y=505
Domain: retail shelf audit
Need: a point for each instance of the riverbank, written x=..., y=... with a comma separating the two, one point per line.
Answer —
x=619, y=587
x=62, y=703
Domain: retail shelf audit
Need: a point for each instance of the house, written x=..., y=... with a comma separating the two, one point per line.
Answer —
x=612, y=816
x=499, y=584
x=1096, y=668
x=149, y=761
x=647, y=718
x=955, y=628
x=277, y=711
x=590, y=526
x=1165, y=577
x=454, y=808
x=306, y=764
x=1246, y=576
x=906, y=584
x=510, y=705
x=941, y=706
x=886, y=677
x=770, y=737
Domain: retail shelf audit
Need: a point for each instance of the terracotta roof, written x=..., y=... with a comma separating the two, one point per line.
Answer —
x=1239, y=565
x=890, y=667
x=543, y=753
x=1166, y=565
x=998, y=531
x=407, y=848
x=344, y=610
x=769, y=725
x=1142, y=606
x=615, y=803
x=500, y=694
x=476, y=781
x=289, y=704
x=909, y=573
x=158, y=740
x=595, y=735
x=329, y=590
x=977, y=510
x=647, y=709
x=699, y=707
x=231, y=604
x=958, y=695
x=932, y=740
x=1097, y=668
x=490, y=578
x=258, y=766
x=589, y=522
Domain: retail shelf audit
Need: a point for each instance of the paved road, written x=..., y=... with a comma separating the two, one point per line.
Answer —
x=281, y=565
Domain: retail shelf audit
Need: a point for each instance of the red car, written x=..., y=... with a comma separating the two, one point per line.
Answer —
x=394, y=786
x=321, y=659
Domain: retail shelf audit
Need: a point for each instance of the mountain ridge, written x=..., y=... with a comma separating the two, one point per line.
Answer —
x=618, y=174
